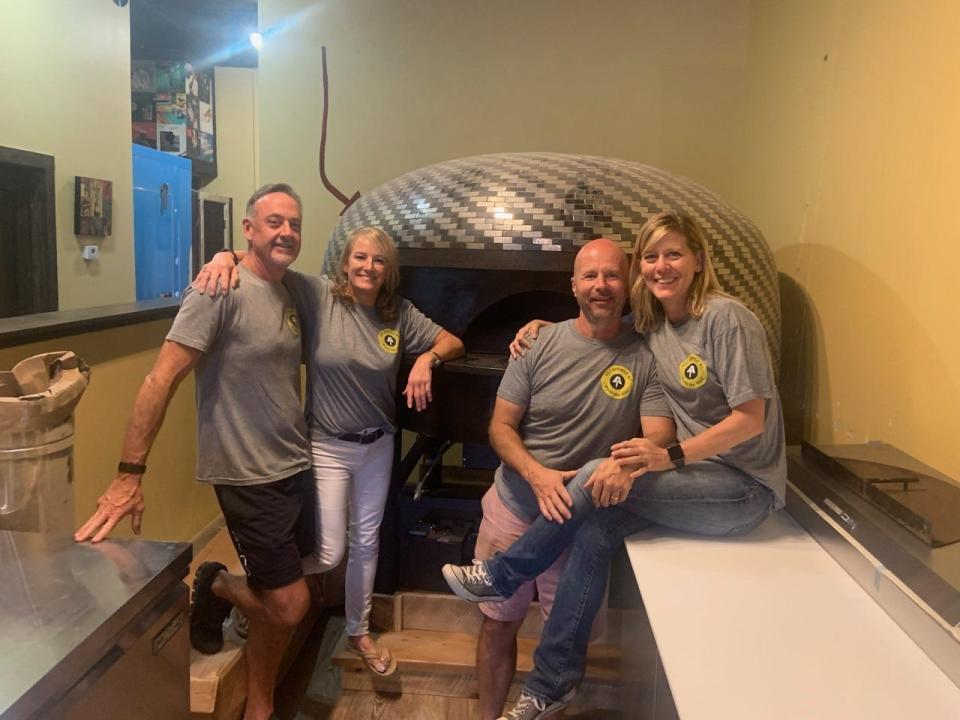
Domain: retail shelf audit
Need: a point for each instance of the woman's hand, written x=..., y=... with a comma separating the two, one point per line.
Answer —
x=525, y=337
x=218, y=275
x=418, y=390
x=610, y=483
x=642, y=455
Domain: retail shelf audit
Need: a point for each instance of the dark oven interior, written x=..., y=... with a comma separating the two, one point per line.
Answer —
x=484, y=307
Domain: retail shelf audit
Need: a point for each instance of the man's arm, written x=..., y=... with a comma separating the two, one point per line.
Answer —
x=547, y=484
x=124, y=495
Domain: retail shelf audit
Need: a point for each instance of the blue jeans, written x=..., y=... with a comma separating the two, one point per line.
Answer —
x=705, y=498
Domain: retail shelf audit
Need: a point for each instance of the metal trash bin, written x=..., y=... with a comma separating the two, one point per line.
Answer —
x=37, y=399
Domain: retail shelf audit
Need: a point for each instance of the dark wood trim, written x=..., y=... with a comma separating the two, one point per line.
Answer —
x=45, y=326
x=25, y=157
x=43, y=292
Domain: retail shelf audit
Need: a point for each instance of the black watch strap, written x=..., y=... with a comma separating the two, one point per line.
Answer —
x=132, y=468
x=676, y=456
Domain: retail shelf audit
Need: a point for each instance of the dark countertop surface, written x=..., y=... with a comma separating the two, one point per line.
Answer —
x=43, y=326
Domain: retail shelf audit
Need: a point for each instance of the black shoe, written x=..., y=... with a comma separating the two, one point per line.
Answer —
x=207, y=611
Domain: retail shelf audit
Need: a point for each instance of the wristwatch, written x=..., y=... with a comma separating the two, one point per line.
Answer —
x=436, y=362
x=676, y=456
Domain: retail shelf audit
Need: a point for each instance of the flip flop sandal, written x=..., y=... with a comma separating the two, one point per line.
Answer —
x=372, y=659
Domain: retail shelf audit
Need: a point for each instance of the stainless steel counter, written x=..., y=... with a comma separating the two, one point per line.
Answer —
x=70, y=614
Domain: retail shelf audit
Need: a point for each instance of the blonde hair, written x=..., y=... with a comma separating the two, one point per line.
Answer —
x=386, y=302
x=647, y=310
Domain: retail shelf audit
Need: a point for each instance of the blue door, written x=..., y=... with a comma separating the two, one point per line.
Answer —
x=161, y=222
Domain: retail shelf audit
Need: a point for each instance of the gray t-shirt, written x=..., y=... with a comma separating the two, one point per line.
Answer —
x=581, y=396
x=353, y=357
x=250, y=426
x=711, y=364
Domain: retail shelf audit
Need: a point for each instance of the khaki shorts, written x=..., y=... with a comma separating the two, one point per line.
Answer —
x=498, y=531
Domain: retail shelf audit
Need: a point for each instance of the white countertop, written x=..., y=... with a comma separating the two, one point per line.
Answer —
x=770, y=627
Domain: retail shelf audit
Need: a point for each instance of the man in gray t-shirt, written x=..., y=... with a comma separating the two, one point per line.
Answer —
x=587, y=384
x=251, y=445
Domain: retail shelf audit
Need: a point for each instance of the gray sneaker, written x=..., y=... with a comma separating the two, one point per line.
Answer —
x=530, y=708
x=472, y=582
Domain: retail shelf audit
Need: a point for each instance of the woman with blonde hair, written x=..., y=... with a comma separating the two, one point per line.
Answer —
x=723, y=476
x=355, y=331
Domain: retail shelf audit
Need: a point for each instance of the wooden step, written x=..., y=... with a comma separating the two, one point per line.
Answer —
x=441, y=612
x=432, y=660
x=444, y=664
x=452, y=652
x=218, y=683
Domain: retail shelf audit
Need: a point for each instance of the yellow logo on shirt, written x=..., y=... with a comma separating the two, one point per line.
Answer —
x=293, y=322
x=389, y=340
x=617, y=381
x=693, y=372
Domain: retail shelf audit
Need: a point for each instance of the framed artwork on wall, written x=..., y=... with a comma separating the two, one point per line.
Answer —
x=93, y=207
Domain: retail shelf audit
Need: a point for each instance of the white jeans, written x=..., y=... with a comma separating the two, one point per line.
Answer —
x=352, y=482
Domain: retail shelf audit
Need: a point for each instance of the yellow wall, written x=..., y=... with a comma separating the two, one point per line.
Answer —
x=177, y=506
x=65, y=74
x=414, y=83
x=850, y=167
x=830, y=123
x=236, y=90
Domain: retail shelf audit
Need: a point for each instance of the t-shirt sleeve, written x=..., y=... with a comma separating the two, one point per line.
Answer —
x=417, y=331
x=653, y=402
x=305, y=290
x=742, y=359
x=199, y=321
x=516, y=386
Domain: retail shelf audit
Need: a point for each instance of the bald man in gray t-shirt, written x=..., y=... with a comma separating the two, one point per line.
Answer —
x=588, y=383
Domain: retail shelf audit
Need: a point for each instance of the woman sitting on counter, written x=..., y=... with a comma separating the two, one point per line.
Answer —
x=723, y=477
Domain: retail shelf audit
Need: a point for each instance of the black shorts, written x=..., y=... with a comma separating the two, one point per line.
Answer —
x=272, y=527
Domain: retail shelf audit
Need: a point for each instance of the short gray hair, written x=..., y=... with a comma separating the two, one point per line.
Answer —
x=269, y=189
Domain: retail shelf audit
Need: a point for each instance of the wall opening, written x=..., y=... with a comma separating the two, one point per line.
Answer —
x=28, y=238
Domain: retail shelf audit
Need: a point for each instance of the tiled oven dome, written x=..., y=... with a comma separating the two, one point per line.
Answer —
x=554, y=203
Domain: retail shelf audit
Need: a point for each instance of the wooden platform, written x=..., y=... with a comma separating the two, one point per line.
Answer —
x=218, y=683
x=434, y=639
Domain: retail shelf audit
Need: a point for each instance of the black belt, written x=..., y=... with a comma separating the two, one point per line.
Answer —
x=364, y=439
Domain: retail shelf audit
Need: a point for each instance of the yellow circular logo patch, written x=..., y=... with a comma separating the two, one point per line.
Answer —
x=389, y=340
x=617, y=381
x=693, y=372
x=293, y=322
